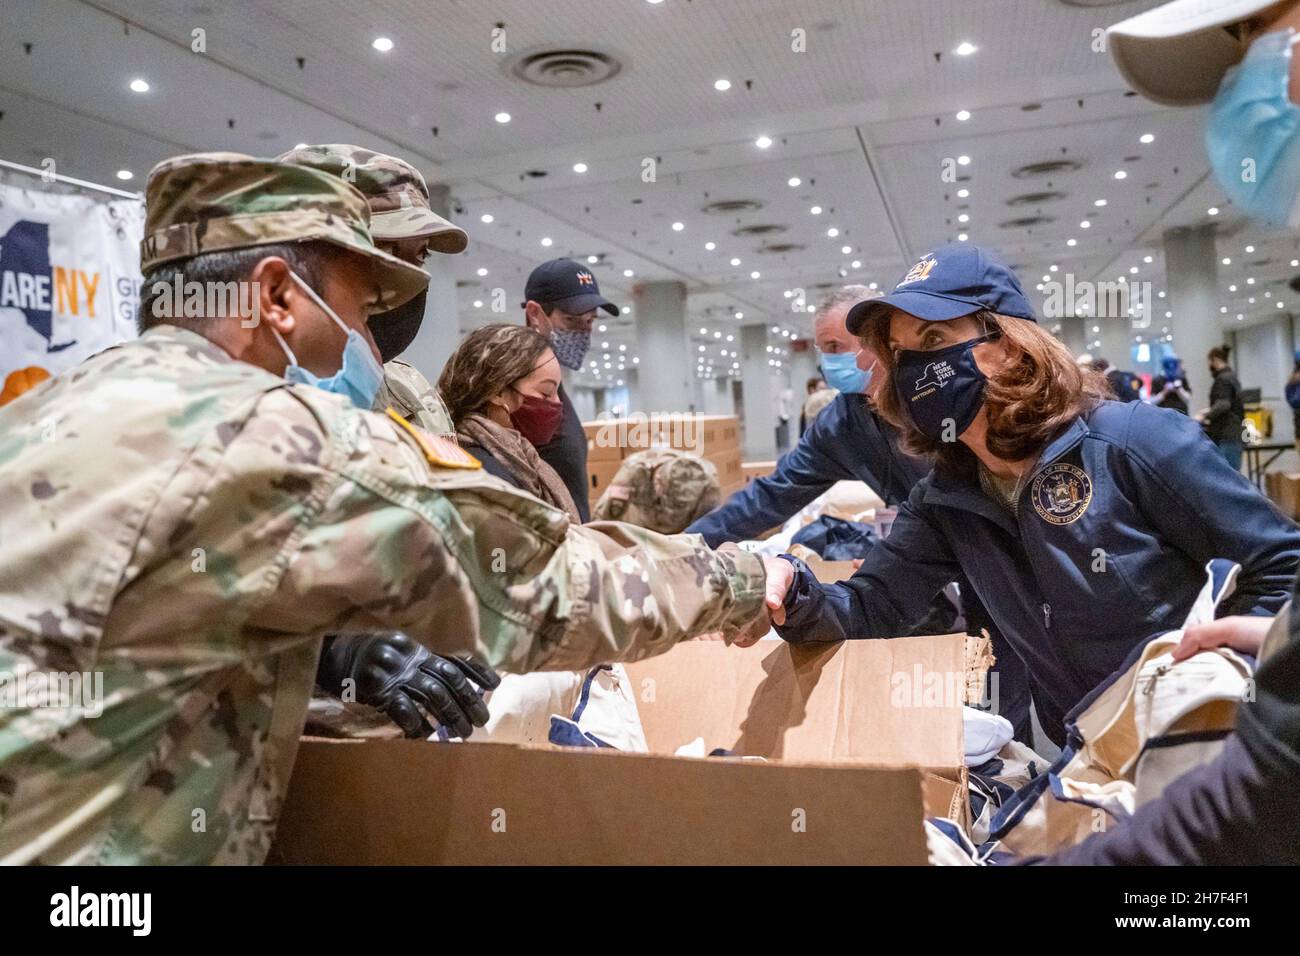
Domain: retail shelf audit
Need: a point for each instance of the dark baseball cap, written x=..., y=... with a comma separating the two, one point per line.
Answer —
x=564, y=283
x=950, y=282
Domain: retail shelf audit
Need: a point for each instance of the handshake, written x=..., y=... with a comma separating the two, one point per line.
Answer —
x=780, y=575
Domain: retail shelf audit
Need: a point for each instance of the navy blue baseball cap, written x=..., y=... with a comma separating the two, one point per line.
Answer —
x=564, y=283
x=950, y=282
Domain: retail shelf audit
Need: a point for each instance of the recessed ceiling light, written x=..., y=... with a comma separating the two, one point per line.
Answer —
x=503, y=117
x=755, y=275
x=382, y=44
x=1146, y=138
x=579, y=167
x=1053, y=267
x=627, y=310
x=1071, y=242
x=1085, y=224
x=856, y=263
x=678, y=226
x=486, y=217
x=139, y=86
x=482, y=272
x=1099, y=203
x=735, y=262
x=965, y=48
x=963, y=193
x=961, y=237
x=722, y=85
x=601, y=328
x=1120, y=174
x=845, y=250
x=1212, y=211
x=628, y=273
x=125, y=174
x=546, y=240
x=763, y=142
x=794, y=181
x=592, y=260
x=816, y=210
x=1146, y=259
x=963, y=160
x=1133, y=270
x=710, y=246
x=963, y=115
x=963, y=218
x=832, y=232
x=1250, y=248
x=478, y=303
x=1294, y=263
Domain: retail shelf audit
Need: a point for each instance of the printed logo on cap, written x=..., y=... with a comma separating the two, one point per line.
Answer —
x=919, y=272
x=1062, y=493
x=586, y=278
x=935, y=376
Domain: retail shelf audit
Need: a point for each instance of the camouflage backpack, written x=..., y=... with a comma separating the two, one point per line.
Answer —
x=662, y=489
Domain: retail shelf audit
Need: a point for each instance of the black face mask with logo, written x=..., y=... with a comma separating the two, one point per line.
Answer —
x=942, y=386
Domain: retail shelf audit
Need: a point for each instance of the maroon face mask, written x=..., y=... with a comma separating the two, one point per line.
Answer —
x=537, y=419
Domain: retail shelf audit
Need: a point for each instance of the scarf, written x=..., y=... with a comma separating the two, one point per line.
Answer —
x=520, y=458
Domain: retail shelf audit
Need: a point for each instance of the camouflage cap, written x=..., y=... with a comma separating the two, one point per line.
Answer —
x=397, y=193
x=663, y=489
x=214, y=202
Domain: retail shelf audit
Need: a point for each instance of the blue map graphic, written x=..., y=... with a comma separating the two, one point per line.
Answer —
x=25, y=248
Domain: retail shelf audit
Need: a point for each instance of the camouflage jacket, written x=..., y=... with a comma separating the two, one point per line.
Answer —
x=178, y=527
x=414, y=396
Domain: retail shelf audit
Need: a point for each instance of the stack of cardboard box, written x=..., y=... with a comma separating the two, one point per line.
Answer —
x=715, y=437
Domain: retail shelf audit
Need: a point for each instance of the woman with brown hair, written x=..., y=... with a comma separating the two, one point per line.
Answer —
x=501, y=387
x=1083, y=524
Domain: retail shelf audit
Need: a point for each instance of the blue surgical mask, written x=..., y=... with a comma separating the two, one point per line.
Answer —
x=1253, y=133
x=941, y=386
x=360, y=376
x=841, y=372
x=570, y=347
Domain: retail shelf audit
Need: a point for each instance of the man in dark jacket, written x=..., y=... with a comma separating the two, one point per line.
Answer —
x=1224, y=418
x=561, y=299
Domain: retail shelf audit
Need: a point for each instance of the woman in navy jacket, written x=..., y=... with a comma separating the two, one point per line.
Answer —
x=1083, y=524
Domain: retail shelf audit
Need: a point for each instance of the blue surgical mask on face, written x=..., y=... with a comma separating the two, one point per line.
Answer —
x=360, y=376
x=1253, y=133
x=841, y=372
x=942, y=386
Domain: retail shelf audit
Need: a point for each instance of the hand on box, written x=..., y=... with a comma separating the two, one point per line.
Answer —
x=1240, y=632
x=395, y=674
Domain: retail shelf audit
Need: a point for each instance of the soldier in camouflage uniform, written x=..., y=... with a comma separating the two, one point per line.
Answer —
x=402, y=224
x=662, y=489
x=181, y=523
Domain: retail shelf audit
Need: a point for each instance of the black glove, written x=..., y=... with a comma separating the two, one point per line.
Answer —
x=395, y=674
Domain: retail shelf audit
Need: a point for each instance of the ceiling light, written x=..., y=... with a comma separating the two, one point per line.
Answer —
x=546, y=240
x=963, y=115
x=600, y=328
x=832, y=232
x=710, y=246
x=125, y=174
x=963, y=160
x=1099, y=203
x=1053, y=267
x=1120, y=174
x=963, y=193
x=503, y=117
x=1085, y=224
x=139, y=86
x=1146, y=138
x=763, y=142
x=856, y=263
x=1250, y=248
x=1227, y=261
x=963, y=218
x=1133, y=270
x=628, y=273
x=965, y=48
x=794, y=181
x=627, y=310
x=722, y=85
x=703, y=330
x=1146, y=259
x=678, y=226
x=816, y=210
x=486, y=217
x=961, y=237
x=482, y=272
x=1212, y=211
x=1071, y=242
x=845, y=250
x=1294, y=263
x=756, y=275
x=735, y=262
x=579, y=167
x=382, y=44
x=478, y=303
x=592, y=260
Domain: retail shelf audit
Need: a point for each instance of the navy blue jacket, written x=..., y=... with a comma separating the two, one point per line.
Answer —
x=847, y=442
x=1131, y=488
x=567, y=454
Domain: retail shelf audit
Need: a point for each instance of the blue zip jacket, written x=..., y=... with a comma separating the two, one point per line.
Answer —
x=1115, y=527
x=847, y=442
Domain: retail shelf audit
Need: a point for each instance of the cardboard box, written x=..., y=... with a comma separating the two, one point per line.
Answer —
x=599, y=476
x=1284, y=489
x=757, y=469
x=858, y=753
x=728, y=467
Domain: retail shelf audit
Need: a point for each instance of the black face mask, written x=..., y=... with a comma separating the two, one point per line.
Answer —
x=941, y=386
x=395, y=329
